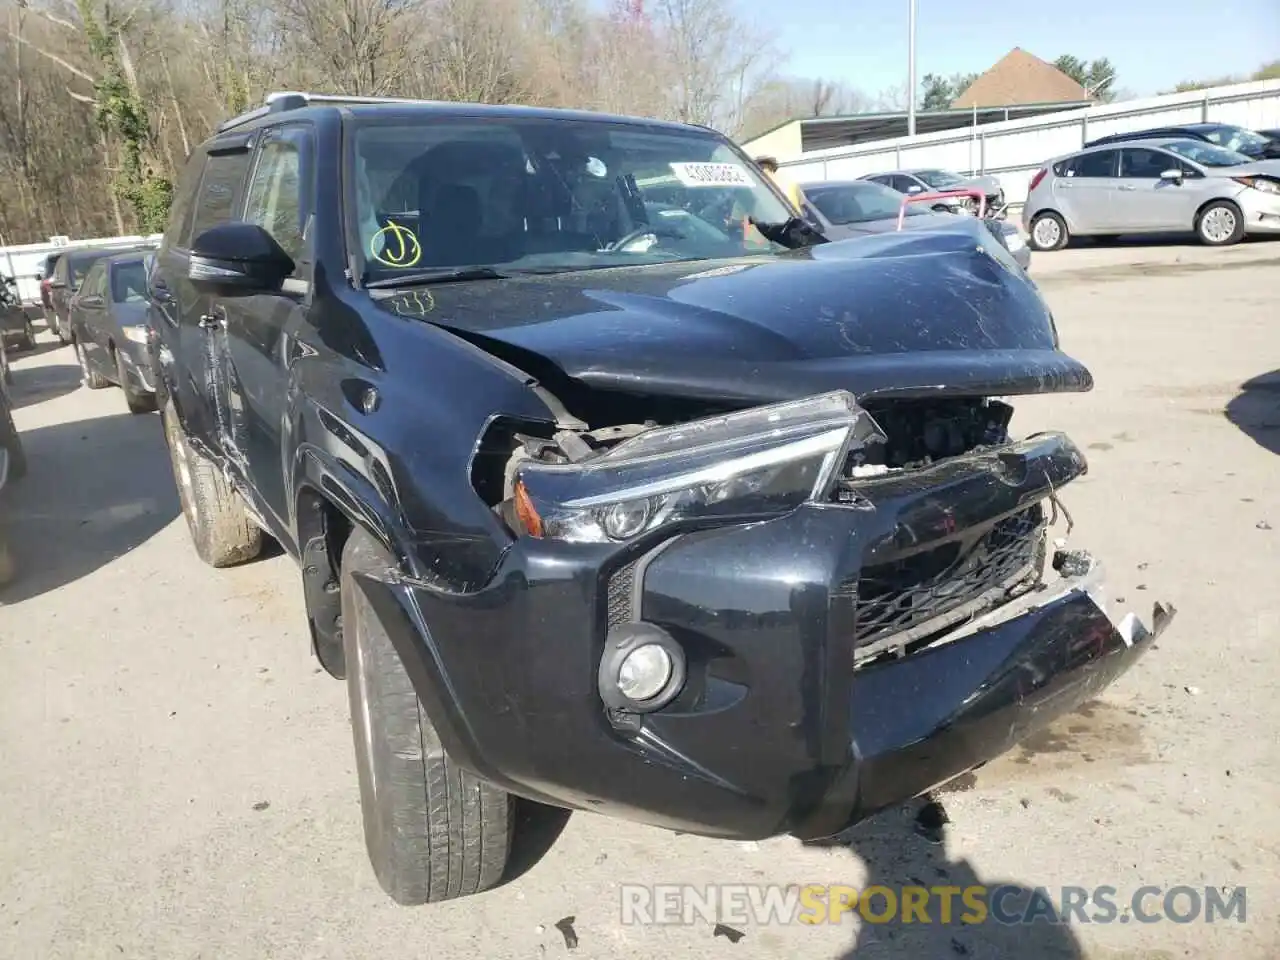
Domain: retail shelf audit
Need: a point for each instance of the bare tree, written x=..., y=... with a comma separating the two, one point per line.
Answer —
x=101, y=101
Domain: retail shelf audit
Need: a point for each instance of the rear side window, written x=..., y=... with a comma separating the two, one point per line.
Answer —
x=215, y=205
x=1100, y=164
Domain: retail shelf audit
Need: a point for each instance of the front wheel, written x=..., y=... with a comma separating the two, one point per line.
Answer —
x=88, y=376
x=1220, y=224
x=138, y=401
x=1048, y=232
x=433, y=830
x=223, y=532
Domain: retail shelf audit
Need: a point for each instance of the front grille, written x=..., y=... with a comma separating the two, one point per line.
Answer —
x=900, y=603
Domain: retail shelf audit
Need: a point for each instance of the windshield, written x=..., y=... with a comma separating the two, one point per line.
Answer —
x=1206, y=154
x=859, y=202
x=1236, y=138
x=939, y=179
x=129, y=282
x=550, y=194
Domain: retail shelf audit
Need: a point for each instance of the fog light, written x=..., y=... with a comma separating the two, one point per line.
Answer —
x=642, y=668
x=644, y=672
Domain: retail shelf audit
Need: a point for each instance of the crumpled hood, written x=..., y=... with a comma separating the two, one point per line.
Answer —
x=918, y=313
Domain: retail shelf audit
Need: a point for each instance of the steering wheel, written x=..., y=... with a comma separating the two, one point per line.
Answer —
x=632, y=236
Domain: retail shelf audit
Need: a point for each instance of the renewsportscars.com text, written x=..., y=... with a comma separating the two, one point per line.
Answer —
x=676, y=904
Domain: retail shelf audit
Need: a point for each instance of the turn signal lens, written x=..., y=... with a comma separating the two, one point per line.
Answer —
x=525, y=512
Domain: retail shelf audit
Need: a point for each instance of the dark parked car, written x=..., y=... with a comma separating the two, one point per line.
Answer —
x=108, y=319
x=854, y=208
x=68, y=273
x=13, y=464
x=1252, y=144
x=15, y=318
x=715, y=526
x=46, y=278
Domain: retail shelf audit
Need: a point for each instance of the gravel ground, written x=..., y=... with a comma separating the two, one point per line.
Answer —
x=178, y=779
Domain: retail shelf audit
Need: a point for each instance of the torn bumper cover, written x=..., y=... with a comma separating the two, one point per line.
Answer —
x=834, y=659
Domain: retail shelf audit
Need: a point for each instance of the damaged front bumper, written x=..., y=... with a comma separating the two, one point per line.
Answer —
x=836, y=660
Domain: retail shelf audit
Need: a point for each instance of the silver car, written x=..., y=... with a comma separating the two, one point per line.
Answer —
x=1162, y=185
x=940, y=181
x=850, y=208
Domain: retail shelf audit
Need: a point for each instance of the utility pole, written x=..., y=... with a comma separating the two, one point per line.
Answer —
x=911, y=68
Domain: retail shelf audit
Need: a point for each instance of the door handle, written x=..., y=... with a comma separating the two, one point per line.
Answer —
x=1126, y=187
x=208, y=321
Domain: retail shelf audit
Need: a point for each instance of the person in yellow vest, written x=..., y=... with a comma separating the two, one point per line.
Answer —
x=791, y=190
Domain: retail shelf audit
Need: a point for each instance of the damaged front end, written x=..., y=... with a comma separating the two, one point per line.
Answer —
x=774, y=619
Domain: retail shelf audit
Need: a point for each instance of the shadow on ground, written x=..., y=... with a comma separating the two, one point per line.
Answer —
x=94, y=490
x=907, y=848
x=1256, y=410
x=32, y=385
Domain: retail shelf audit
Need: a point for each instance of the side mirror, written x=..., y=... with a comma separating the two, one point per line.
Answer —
x=238, y=257
x=1173, y=176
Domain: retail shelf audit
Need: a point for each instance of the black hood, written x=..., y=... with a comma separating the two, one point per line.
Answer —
x=919, y=313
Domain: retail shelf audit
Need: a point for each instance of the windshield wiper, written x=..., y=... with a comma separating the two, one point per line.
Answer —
x=438, y=275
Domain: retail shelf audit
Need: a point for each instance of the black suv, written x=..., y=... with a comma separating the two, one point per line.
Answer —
x=613, y=486
x=1252, y=144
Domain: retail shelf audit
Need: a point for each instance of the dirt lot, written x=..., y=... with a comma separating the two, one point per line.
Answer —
x=177, y=773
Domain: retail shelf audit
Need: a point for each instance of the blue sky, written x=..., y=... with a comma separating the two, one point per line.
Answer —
x=1152, y=43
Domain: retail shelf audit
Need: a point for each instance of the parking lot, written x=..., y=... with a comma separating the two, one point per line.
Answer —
x=177, y=771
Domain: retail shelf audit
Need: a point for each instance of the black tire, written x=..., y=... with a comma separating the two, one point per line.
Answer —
x=221, y=529
x=137, y=402
x=63, y=338
x=433, y=830
x=1220, y=224
x=11, y=440
x=1049, y=239
x=28, y=341
x=88, y=376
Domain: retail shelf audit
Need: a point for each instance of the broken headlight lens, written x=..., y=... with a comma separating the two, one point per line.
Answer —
x=752, y=464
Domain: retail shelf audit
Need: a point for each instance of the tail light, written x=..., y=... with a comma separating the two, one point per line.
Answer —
x=1035, y=181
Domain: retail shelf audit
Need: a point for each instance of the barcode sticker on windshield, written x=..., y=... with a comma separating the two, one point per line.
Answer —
x=711, y=174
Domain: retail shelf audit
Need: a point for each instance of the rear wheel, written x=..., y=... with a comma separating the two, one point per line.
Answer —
x=1048, y=232
x=221, y=529
x=1220, y=224
x=433, y=830
x=28, y=341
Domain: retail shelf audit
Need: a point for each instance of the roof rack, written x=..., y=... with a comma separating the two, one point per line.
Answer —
x=282, y=100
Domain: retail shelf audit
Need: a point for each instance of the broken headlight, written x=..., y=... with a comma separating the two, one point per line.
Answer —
x=752, y=464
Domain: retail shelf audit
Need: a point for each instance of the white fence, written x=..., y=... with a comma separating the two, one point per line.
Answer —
x=1013, y=150
x=24, y=263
